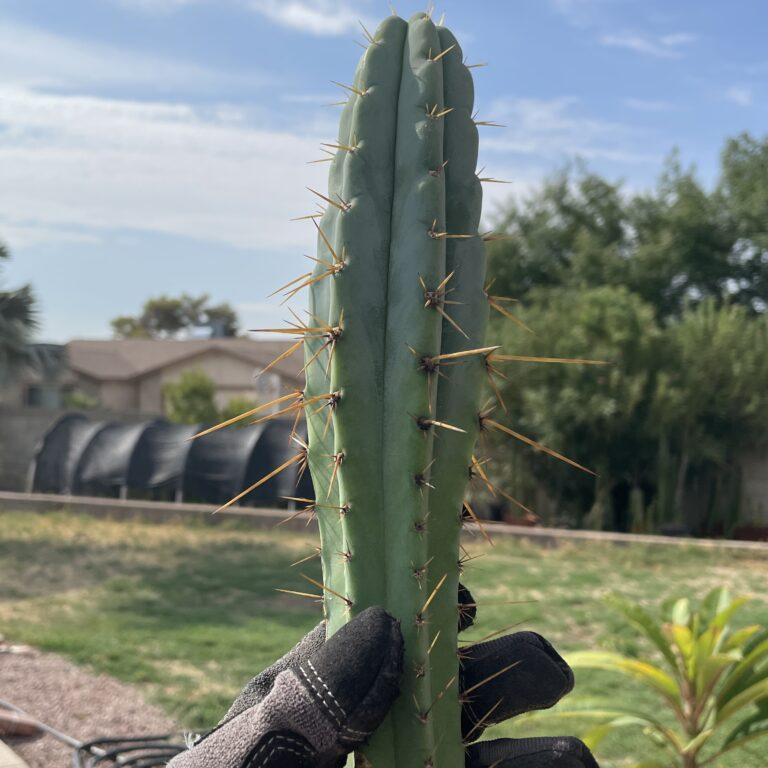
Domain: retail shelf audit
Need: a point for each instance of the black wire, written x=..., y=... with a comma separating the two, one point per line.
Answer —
x=151, y=751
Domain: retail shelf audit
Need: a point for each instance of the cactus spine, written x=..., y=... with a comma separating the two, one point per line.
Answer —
x=399, y=284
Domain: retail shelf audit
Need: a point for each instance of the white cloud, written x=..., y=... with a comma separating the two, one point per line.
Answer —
x=320, y=99
x=648, y=105
x=662, y=47
x=156, y=6
x=23, y=234
x=553, y=129
x=82, y=164
x=316, y=17
x=740, y=94
x=677, y=39
x=38, y=59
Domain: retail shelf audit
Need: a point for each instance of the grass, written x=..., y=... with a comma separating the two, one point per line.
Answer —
x=190, y=612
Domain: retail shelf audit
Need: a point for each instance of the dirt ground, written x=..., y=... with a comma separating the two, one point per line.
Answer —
x=73, y=700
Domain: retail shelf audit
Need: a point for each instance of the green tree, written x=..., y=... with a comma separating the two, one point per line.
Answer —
x=675, y=245
x=236, y=406
x=167, y=317
x=670, y=286
x=570, y=232
x=595, y=415
x=18, y=321
x=681, y=245
x=743, y=190
x=711, y=400
x=190, y=399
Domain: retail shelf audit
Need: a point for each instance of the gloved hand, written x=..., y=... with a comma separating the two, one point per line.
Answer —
x=325, y=698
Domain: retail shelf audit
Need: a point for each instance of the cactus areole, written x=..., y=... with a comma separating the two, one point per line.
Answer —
x=391, y=403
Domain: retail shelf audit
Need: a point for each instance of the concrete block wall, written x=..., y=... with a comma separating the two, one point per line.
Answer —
x=20, y=431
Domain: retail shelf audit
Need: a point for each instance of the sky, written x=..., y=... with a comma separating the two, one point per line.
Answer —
x=158, y=146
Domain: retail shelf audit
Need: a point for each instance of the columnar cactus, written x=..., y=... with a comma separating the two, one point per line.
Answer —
x=394, y=366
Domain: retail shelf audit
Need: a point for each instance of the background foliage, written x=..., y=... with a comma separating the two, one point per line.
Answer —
x=18, y=320
x=670, y=287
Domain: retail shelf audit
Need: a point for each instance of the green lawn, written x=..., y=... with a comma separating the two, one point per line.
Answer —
x=190, y=612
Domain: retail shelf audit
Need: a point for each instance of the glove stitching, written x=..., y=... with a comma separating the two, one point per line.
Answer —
x=322, y=682
x=271, y=740
x=320, y=698
x=354, y=731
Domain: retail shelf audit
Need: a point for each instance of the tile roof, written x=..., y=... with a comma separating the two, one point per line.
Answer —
x=124, y=359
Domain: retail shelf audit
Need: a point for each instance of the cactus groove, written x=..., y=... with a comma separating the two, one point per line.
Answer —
x=400, y=276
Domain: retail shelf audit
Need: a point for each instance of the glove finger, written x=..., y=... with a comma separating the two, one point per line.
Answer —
x=541, y=752
x=508, y=676
x=467, y=608
x=319, y=709
x=355, y=677
x=257, y=688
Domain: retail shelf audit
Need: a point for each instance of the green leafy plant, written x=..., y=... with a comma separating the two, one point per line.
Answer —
x=711, y=678
x=190, y=399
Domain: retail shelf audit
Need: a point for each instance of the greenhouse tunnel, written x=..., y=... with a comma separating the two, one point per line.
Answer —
x=155, y=459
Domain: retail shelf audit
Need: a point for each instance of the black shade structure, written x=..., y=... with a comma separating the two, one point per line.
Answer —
x=156, y=468
x=158, y=460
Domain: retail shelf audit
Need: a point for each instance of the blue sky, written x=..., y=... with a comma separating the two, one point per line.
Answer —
x=160, y=146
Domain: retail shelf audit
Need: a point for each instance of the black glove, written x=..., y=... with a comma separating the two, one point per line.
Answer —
x=323, y=700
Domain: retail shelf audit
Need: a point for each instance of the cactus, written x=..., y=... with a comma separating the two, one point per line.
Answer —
x=394, y=366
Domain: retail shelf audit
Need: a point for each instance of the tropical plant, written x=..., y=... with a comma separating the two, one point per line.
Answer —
x=710, y=677
x=18, y=320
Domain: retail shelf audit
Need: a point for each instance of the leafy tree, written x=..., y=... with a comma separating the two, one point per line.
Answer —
x=18, y=320
x=743, y=190
x=235, y=407
x=711, y=398
x=595, y=415
x=674, y=245
x=167, y=317
x=190, y=399
x=570, y=232
x=670, y=286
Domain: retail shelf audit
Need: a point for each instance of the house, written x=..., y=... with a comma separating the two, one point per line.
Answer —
x=123, y=375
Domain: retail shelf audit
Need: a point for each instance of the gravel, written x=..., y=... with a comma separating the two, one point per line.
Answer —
x=73, y=700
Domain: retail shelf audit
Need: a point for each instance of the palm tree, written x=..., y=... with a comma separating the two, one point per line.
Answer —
x=18, y=320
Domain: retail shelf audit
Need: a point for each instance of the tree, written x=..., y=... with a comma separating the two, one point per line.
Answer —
x=167, y=317
x=570, y=232
x=190, y=399
x=711, y=401
x=675, y=245
x=236, y=406
x=743, y=190
x=595, y=415
x=18, y=320
x=670, y=286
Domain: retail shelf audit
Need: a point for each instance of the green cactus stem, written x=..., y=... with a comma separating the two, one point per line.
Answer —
x=398, y=285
